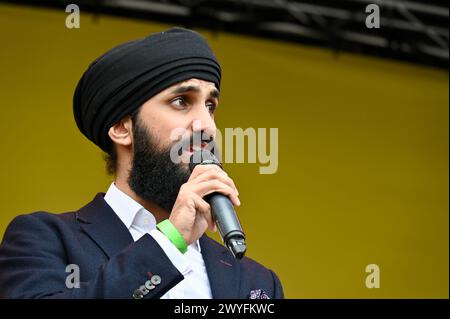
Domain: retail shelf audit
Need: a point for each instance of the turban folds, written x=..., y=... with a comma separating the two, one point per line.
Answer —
x=121, y=80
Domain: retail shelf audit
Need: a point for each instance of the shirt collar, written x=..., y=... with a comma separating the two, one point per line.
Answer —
x=131, y=212
x=123, y=205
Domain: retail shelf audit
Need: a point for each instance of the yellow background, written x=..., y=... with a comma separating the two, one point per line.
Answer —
x=363, y=151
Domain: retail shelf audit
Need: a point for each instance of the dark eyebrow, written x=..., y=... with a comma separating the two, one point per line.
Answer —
x=191, y=88
x=215, y=94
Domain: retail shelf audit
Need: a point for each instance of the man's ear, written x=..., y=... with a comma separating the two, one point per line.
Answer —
x=121, y=133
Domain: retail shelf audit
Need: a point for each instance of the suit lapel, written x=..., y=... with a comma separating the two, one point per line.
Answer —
x=222, y=268
x=103, y=225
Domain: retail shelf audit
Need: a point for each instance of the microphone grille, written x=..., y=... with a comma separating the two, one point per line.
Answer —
x=202, y=157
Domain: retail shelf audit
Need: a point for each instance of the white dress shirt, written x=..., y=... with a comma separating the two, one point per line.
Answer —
x=140, y=221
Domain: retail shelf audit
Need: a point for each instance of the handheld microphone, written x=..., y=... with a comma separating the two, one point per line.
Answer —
x=222, y=209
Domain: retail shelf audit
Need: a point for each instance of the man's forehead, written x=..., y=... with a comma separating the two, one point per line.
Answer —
x=196, y=85
x=195, y=82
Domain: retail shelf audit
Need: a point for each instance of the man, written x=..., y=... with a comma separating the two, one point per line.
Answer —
x=145, y=237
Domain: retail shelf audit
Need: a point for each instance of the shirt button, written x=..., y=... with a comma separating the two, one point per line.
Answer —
x=156, y=280
x=138, y=294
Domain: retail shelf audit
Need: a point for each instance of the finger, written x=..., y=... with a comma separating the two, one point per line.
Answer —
x=215, y=174
x=208, y=187
x=204, y=210
x=200, y=169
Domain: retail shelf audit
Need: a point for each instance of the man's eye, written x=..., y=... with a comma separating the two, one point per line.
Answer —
x=179, y=102
x=211, y=107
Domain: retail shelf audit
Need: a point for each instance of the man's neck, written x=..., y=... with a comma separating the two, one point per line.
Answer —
x=159, y=213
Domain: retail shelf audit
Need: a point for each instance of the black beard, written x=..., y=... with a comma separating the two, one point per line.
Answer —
x=154, y=176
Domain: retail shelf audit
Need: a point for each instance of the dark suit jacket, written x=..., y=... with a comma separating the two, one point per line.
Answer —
x=37, y=248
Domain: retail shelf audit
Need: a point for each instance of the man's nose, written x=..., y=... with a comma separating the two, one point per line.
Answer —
x=202, y=121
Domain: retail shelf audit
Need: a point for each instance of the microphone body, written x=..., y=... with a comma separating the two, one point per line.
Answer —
x=222, y=210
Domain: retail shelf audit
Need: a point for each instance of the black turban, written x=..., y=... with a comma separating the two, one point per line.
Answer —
x=121, y=80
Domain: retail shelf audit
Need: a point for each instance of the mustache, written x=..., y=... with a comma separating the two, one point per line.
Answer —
x=201, y=136
x=196, y=139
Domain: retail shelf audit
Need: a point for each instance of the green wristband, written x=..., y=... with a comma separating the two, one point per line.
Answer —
x=168, y=229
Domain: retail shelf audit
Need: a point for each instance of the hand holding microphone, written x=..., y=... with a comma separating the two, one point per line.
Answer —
x=207, y=200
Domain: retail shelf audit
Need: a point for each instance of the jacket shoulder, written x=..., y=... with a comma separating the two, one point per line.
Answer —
x=39, y=220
